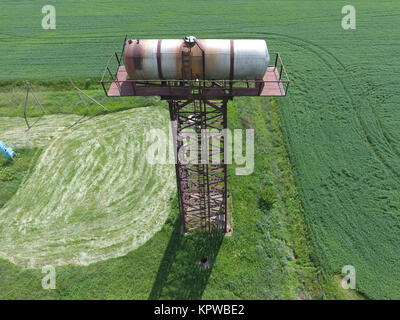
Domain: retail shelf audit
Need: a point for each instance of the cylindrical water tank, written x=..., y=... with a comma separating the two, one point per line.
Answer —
x=176, y=59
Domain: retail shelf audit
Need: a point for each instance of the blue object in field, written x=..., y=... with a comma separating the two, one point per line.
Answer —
x=7, y=151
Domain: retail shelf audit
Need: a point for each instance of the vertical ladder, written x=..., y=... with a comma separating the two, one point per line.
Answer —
x=186, y=65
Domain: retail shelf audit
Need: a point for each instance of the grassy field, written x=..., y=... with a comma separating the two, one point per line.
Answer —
x=340, y=121
x=266, y=258
x=87, y=198
x=341, y=125
x=13, y=172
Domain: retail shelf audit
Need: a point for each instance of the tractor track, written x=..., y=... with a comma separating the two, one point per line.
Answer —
x=307, y=45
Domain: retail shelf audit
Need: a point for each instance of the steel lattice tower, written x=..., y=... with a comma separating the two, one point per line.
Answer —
x=198, y=106
x=201, y=182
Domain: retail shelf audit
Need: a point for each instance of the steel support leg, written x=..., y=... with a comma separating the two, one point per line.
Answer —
x=201, y=175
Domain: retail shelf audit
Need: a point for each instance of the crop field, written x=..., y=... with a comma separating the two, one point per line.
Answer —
x=341, y=130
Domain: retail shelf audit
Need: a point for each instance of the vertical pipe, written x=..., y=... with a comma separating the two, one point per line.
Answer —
x=173, y=113
x=232, y=64
x=225, y=126
x=160, y=75
x=204, y=103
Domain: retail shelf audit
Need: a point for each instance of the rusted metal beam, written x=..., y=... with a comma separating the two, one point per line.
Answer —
x=201, y=186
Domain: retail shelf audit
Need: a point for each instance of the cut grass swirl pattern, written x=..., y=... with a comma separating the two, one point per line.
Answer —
x=92, y=195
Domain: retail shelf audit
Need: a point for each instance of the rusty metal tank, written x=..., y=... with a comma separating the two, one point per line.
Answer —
x=176, y=59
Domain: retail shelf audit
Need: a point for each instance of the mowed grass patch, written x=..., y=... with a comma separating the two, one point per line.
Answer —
x=92, y=195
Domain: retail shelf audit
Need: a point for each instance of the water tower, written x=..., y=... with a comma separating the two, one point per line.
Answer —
x=197, y=77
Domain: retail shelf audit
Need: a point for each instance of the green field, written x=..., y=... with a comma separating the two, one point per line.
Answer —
x=86, y=201
x=340, y=126
x=266, y=258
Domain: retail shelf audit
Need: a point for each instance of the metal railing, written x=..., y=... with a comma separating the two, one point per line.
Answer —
x=110, y=75
x=278, y=65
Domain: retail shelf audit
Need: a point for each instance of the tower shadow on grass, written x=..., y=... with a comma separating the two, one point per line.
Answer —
x=180, y=275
